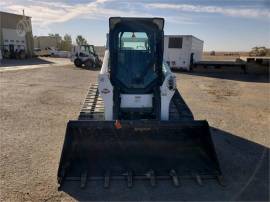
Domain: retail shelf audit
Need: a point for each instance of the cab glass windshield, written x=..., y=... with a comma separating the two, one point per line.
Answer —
x=133, y=41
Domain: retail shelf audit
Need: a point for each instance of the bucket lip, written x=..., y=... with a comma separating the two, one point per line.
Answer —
x=139, y=123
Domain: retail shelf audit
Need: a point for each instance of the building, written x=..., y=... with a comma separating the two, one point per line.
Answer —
x=15, y=34
x=182, y=50
x=44, y=42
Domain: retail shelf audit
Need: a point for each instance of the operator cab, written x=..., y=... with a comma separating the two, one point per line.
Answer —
x=136, y=56
x=86, y=50
x=136, y=46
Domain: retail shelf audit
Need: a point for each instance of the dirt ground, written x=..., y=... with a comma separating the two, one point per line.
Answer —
x=36, y=104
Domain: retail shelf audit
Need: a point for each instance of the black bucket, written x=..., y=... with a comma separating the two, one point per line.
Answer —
x=97, y=150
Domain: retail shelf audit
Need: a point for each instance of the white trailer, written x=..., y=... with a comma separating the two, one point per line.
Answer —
x=181, y=50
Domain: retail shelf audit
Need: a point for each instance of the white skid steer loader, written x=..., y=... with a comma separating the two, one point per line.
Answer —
x=134, y=124
x=85, y=55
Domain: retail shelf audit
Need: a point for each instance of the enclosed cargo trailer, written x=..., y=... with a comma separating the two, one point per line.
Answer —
x=180, y=51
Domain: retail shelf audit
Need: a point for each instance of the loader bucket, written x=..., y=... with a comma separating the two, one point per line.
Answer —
x=150, y=150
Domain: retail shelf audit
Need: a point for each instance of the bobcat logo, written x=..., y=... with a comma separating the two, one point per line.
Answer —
x=23, y=26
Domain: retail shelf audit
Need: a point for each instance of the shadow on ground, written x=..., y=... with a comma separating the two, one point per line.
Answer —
x=87, y=68
x=245, y=167
x=17, y=62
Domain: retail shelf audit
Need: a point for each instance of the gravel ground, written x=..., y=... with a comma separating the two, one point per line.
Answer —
x=37, y=103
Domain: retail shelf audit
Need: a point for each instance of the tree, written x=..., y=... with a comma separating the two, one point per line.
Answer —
x=67, y=38
x=258, y=51
x=66, y=43
x=80, y=40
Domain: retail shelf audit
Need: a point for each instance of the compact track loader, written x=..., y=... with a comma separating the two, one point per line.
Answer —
x=85, y=55
x=134, y=125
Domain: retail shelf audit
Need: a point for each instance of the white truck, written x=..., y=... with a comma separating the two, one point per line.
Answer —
x=51, y=51
x=180, y=51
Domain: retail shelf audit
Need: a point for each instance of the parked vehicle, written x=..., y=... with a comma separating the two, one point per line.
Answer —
x=39, y=52
x=181, y=51
x=85, y=55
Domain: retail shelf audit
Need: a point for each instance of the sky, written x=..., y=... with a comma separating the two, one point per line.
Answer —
x=223, y=25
